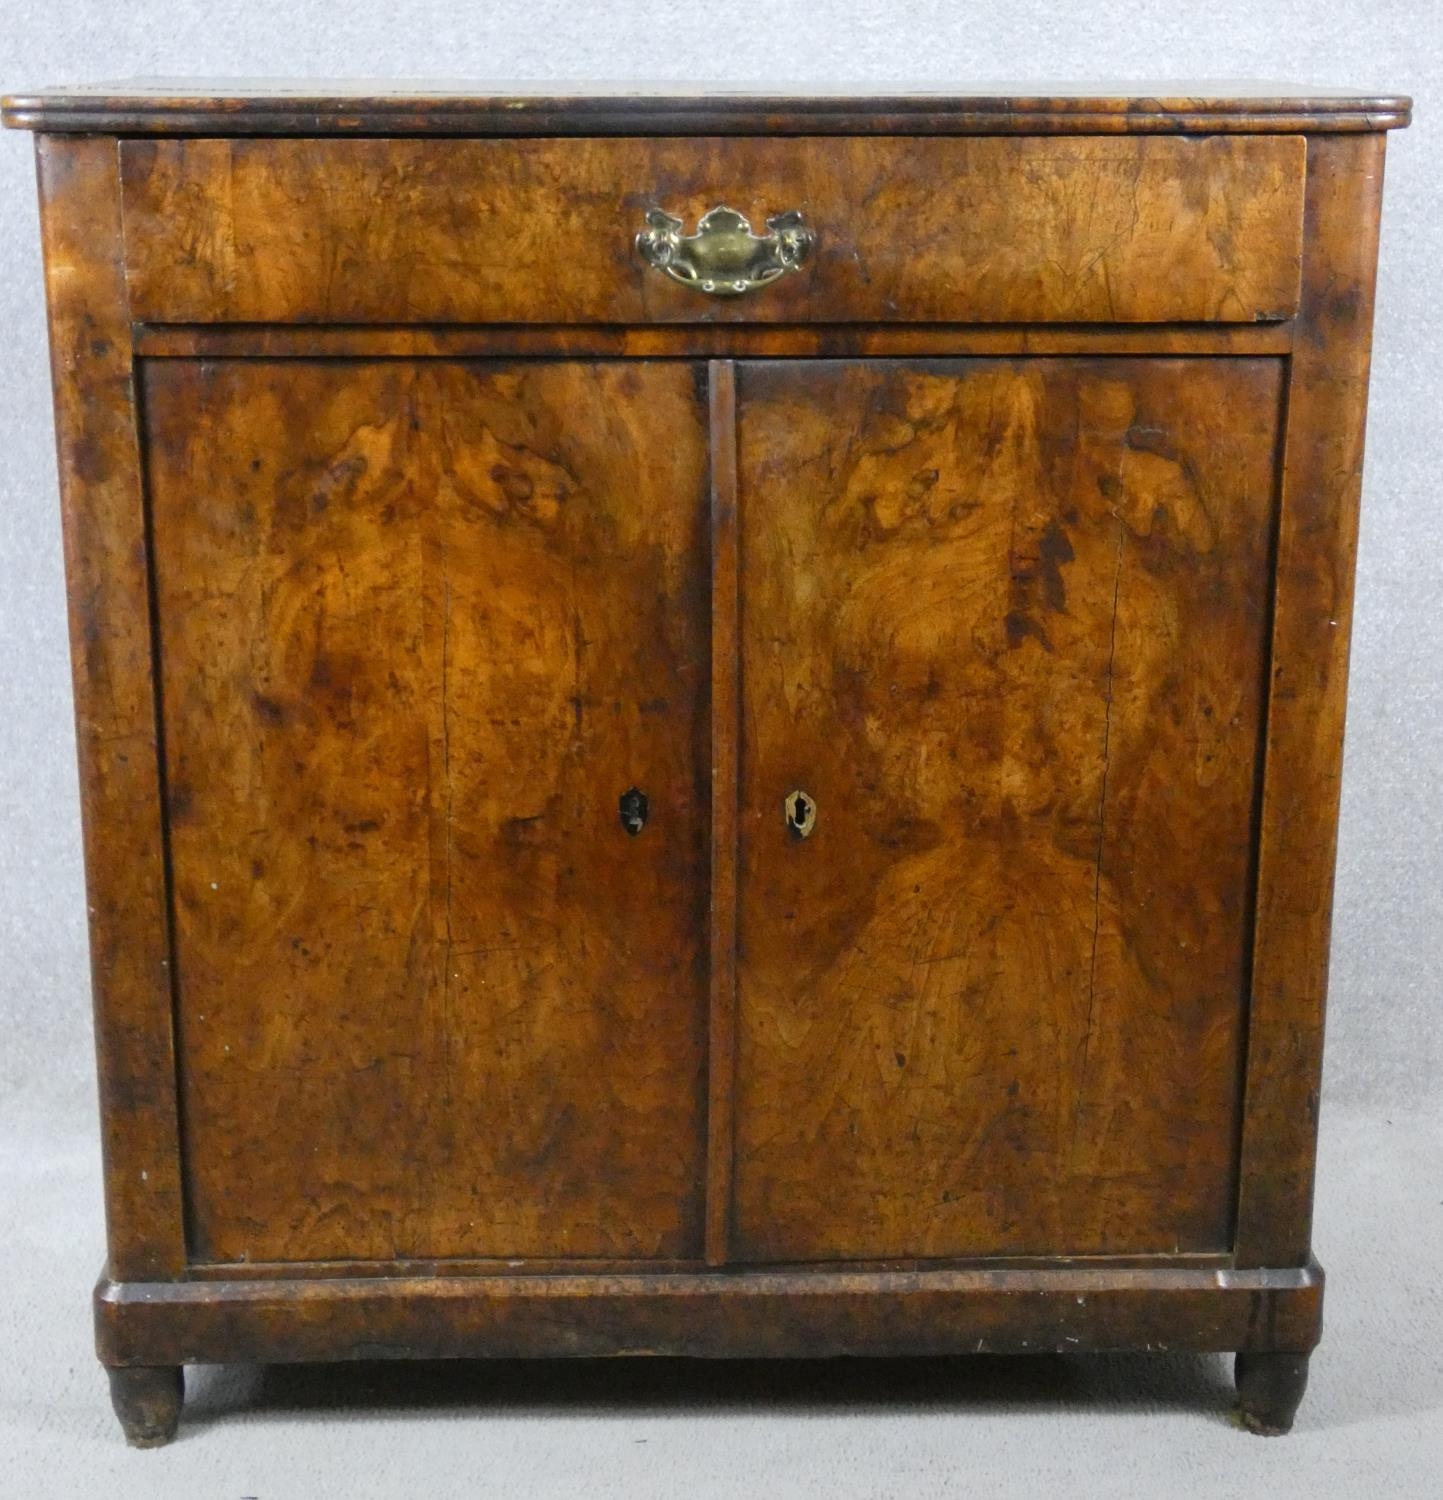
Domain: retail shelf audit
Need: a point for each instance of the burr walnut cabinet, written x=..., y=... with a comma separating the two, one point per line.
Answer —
x=709, y=723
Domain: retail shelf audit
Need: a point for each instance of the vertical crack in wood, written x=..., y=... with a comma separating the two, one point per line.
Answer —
x=1080, y=1103
x=448, y=945
x=725, y=733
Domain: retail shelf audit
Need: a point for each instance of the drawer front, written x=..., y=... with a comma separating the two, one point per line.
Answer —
x=971, y=229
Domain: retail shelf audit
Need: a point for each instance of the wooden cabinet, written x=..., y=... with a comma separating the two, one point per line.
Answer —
x=655, y=784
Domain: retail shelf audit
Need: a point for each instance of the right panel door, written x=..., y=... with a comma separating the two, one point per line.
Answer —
x=1004, y=628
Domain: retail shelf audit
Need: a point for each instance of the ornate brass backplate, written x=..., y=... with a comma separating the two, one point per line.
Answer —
x=724, y=258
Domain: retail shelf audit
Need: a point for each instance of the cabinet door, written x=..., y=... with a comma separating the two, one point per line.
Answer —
x=423, y=626
x=1004, y=626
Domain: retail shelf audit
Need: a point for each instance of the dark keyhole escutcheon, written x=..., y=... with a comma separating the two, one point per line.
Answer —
x=632, y=809
x=801, y=814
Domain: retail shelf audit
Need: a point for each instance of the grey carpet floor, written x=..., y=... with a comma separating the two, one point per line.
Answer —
x=1149, y=1426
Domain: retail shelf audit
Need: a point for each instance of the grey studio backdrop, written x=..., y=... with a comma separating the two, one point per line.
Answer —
x=1378, y=1384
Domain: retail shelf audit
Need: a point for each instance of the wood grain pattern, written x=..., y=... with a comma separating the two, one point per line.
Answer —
x=739, y=1314
x=1322, y=480
x=991, y=229
x=422, y=626
x=379, y=108
x=1005, y=622
x=102, y=509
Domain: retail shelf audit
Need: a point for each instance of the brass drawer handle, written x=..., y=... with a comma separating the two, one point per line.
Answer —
x=724, y=258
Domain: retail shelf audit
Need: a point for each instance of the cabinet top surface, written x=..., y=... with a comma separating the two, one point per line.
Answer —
x=317, y=107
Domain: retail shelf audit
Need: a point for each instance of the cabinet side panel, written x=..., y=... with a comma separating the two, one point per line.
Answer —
x=1317, y=541
x=103, y=511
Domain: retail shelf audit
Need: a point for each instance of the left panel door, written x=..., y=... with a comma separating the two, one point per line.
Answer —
x=423, y=625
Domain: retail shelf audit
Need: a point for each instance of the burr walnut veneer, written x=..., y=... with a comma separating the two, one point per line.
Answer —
x=709, y=724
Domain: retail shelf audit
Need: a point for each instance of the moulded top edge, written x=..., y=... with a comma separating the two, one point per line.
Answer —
x=305, y=107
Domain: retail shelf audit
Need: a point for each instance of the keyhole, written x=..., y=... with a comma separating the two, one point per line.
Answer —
x=801, y=814
x=632, y=809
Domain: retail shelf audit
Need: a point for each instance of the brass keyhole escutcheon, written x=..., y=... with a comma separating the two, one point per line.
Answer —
x=632, y=809
x=801, y=814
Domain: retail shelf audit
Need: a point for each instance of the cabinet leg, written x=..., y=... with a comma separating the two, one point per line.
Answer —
x=147, y=1399
x=1270, y=1386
